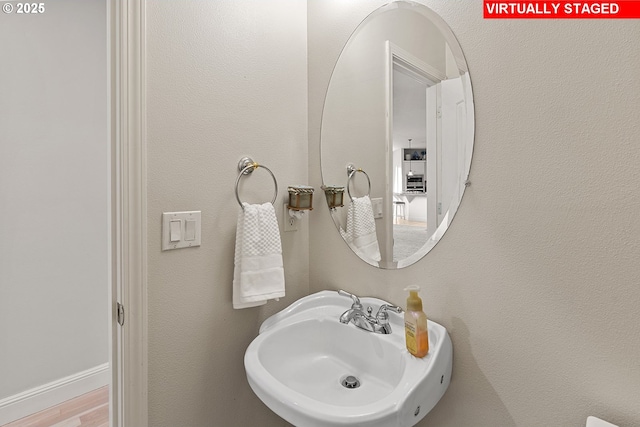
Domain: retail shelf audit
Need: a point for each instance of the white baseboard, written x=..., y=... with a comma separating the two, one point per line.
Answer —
x=31, y=401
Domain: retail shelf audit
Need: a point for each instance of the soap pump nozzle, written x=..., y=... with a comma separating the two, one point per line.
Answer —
x=414, y=303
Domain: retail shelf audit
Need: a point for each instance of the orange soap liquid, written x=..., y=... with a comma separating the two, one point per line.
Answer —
x=417, y=341
x=422, y=341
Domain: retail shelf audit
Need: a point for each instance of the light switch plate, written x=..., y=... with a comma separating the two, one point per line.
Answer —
x=376, y=205
x=183, y=217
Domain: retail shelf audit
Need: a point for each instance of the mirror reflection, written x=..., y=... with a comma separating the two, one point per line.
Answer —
x=397, y=134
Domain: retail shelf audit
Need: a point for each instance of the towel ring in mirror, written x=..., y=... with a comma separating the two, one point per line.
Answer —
x=351, y=171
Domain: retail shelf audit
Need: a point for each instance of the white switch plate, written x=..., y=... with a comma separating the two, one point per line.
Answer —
x=183, y=217
x=376, y=205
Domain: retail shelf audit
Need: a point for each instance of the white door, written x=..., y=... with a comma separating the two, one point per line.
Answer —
x=453, y=148
x=55, y=199
x=72, y=203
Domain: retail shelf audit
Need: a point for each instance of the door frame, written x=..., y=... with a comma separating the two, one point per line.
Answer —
x=425, y=73
x=127, y=117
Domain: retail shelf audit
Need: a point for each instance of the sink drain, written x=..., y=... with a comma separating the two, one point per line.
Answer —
x=350, y=382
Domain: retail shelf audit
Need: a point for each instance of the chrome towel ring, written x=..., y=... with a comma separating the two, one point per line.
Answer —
x=246, y=166
x=351, y=171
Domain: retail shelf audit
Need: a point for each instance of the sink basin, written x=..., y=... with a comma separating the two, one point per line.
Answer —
x=312, y=370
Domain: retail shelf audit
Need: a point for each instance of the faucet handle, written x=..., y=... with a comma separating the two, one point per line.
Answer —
x=356, y=300
x=393, y=308
x=382, y=311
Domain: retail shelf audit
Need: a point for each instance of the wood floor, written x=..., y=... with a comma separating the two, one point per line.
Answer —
x=89, y=410
x=401, y=221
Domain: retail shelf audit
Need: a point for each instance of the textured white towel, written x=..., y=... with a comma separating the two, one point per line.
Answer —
x=258, y=274
x=361, y=229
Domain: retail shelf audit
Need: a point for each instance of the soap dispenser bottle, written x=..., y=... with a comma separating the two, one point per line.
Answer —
x=415, y=324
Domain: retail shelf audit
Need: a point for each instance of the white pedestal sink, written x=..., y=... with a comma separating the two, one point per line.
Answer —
x=312, y=370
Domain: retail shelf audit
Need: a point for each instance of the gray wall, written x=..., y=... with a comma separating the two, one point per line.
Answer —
x=224, y=79
x=537, y=278
x=54, y=194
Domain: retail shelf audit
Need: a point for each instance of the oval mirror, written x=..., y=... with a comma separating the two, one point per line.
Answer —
x=397, y=134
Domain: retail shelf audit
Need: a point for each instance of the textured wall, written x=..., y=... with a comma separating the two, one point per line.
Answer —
x=537, y=279
x=54, y=192
x=225, y=79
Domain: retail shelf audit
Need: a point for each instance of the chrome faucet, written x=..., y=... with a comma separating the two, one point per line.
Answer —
x=378, y=324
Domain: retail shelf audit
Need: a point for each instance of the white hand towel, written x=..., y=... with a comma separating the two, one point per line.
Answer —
x=361, y=229
x=258, y=274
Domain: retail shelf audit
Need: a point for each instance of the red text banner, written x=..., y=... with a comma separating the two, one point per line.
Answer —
x=623, y=9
